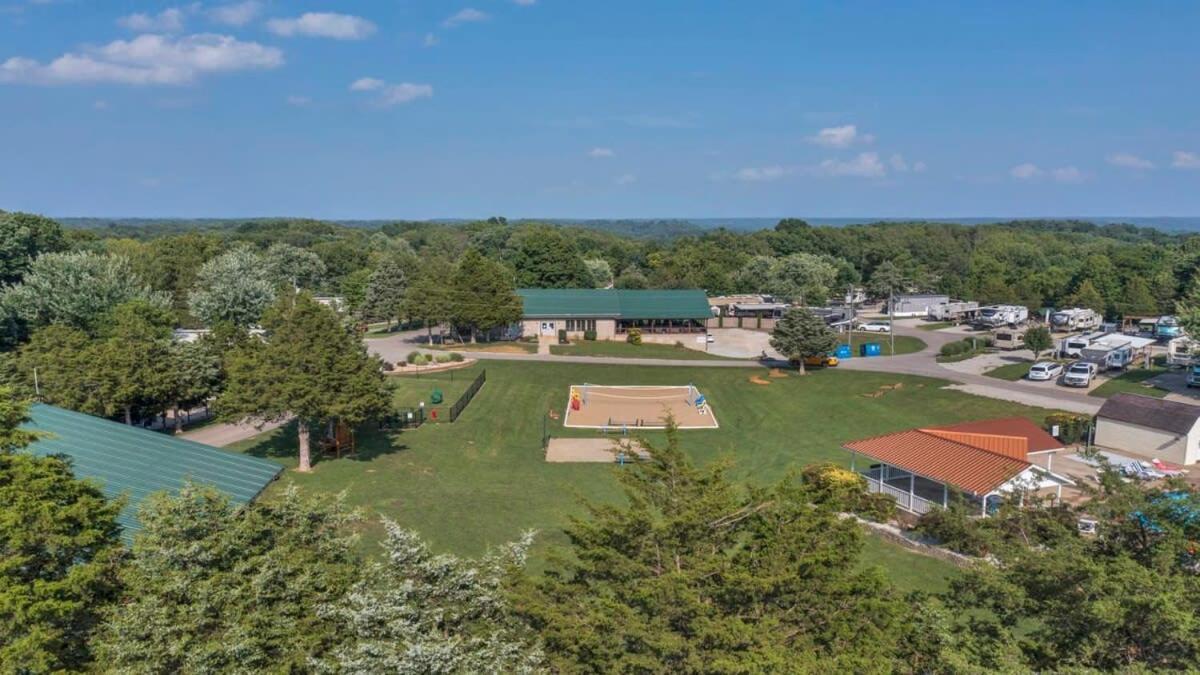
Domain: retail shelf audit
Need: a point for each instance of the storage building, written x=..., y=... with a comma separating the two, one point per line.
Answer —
x=1150, y=427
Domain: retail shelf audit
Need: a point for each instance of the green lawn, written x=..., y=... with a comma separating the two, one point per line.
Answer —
x=646, y=350
x=482, y=480
x=1011, y=371
x=410, y=390
x=905, y=344
x=1131, y=382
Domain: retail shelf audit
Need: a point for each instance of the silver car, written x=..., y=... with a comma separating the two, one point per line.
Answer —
x=1045, y=370
x=1080, y=374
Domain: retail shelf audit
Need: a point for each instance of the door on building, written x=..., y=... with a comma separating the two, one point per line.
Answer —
x=548, y=328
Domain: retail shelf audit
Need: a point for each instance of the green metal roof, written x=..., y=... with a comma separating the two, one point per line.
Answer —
x=137, y=462
x=610, y=303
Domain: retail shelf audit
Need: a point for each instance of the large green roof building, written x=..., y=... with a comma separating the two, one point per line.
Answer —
x=136, y=462
x=612, y=312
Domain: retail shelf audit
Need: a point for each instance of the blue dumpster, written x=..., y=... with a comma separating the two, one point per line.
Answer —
x=870, y=349
x=842, y=351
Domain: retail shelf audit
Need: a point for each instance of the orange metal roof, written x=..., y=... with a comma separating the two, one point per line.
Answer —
x=975, y=462
x=1039, y=440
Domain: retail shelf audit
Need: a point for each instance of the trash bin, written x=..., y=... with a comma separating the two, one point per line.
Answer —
x=842, y=351
x=870, y=349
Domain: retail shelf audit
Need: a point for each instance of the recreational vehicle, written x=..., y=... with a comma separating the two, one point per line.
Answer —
x=1002, y=315
x=1073, y=345
x=1182, y=351
x=1110, y=353
x=1075, y=319
x=1011, y=338
x=953, y=311
x=1167, y=328
x=916, y=304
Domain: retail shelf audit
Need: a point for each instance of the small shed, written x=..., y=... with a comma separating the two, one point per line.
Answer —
x=1150, y=427
x=917, y=304
x=135, y=462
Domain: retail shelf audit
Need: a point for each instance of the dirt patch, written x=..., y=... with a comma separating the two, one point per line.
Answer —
x=755, y=379
x=884, y=389
x=775, y=372
x=591, y=450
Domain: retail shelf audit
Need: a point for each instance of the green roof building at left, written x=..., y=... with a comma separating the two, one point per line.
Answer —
x=136, y=462
x=609, y=313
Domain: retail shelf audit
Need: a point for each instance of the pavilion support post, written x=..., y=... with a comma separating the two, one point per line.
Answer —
x=912, y=489
x=983, y=510
x=945, y=495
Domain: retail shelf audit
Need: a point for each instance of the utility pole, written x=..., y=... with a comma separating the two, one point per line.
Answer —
x=892, y=319
x=850, y=319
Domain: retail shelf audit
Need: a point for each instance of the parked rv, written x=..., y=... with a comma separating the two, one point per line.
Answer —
x=1167, y=328
x=1111, y=352
x=1072, y=346
x=1011, y=338
x=1182, y=351
x=1075, y=319
x=1002, y=315
x=1080, y=374
x=957, y=310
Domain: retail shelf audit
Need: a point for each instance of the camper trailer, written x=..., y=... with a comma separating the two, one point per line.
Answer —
x=1182, y=352
x=1010, y=338
x=955, y=311
x=1167, y=328
x=1111, y=352
x=1074, y=319
x=1072, y=346
x=1002, y=315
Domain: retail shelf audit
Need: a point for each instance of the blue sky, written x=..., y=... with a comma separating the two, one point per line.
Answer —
x=613, y=108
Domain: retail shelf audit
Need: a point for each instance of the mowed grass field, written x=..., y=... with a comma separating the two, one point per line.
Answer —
x=905, y=344
x=482, y=480
x=646, y=350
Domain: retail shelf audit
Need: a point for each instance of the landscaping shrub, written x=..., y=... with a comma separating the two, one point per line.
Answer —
x=1071, y=428
x=846, y=490
x=420, y=360
x=954, y=529
x=634, y=336
x=386, y=366
x=456, y=357
x=412, y=357
x=442, y=358
x=1010, y=529
x=954, y=348
x=589, y=335
x=562, y=336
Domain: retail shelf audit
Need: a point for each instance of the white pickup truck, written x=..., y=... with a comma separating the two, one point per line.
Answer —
x=1080, y=374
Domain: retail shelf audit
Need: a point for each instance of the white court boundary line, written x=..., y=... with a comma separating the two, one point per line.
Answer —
x=687, y=387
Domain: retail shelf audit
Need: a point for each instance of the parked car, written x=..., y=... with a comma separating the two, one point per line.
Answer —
x=1080, y=374
x=1045, y=370
x=825, y=360
x=876, y=327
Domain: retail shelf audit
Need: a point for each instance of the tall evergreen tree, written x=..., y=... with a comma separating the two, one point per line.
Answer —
x=210, y=587
x=308, y=366
x=1086, y=296
x=131, y=366
x=483, y=296
x=384, y=298
x=60, y=550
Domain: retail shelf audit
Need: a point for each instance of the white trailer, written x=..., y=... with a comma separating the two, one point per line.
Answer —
x=1183, y=352
x=1075, y=319
x=1111, y=352
x=957, y=310
x=1002, y=315
x=1072, y=346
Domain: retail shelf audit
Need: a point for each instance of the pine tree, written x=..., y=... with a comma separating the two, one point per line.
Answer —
x=385, y=295
x=1136, y=298
x=131, y=365
x=308, y=366
x=801, y=334
x=483, y=295
x=1087, y=296
x=416, y=612
x=59, y=553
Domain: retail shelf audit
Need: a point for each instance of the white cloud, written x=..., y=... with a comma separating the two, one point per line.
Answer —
x=145, y=60
x=393, y=94
x=865, y=165
x=525, y=3
x=323, y=24
x=1025, y=171
x=901, y=165
x=1068, y=174
x=1185, y=160
x=366, y=84
x=430, y=40
x=167, y=21
x=468, y=15
x=299, y=101
x=236, y=14
x=601, y=152
x=626, y=179
x=840, y=137
x=761, y=174
x=1128, y=161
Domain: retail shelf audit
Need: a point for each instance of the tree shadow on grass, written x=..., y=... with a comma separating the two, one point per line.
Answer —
x=369, y=444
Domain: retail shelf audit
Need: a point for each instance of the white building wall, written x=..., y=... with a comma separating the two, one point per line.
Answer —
x=1146, y=442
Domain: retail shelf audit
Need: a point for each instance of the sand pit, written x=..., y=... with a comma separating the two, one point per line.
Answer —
x=598, y=450
x=619, y=408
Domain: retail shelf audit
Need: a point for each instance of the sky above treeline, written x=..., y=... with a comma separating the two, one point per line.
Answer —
x=599, y=108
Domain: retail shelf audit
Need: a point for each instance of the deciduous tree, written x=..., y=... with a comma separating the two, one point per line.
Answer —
x=385, y=294
x=131, y=366
x=800, y=334
x=288, y=265
x=1038, y=340
x=235, y=287
x=23, y=237
x=483, y=296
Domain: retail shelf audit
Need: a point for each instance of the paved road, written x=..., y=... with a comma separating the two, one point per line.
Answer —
x=227, y=434
x=396, y=347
